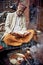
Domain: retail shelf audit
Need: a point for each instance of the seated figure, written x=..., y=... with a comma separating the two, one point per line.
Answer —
x=16, y=32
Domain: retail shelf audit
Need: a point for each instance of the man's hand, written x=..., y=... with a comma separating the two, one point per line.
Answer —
x=15, y=34
x=26, y=33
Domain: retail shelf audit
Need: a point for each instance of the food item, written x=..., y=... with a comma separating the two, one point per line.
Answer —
x=13, y=61
x=20, y=55
x=16, y=58
x=28, y=51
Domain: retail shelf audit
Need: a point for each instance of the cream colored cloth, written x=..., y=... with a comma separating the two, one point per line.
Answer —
x=18, y=28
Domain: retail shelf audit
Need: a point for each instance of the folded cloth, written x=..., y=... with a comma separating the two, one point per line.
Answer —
x=9, y=39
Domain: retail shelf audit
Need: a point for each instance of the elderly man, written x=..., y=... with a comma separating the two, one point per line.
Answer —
x=15, y=26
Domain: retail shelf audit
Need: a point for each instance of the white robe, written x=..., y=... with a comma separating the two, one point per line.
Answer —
x=11, y=21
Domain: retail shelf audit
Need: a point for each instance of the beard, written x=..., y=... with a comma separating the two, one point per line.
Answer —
x=19, y=14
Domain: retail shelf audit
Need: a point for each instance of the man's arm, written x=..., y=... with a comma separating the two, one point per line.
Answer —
x=7, y=23
x=24, y=24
